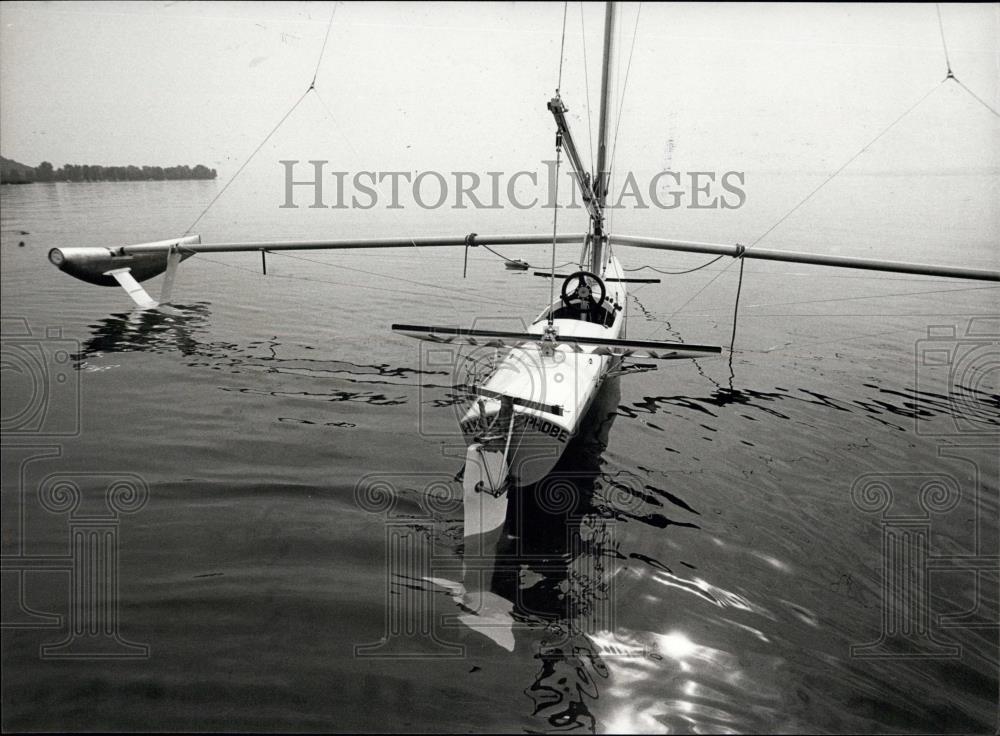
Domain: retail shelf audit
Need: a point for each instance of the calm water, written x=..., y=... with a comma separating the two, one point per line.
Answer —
x=704, y=567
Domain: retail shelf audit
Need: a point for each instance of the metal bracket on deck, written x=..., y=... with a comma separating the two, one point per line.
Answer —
x=547, y=345
x=517, y=400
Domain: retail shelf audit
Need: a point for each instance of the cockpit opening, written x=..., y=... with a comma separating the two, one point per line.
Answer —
x=584, y=298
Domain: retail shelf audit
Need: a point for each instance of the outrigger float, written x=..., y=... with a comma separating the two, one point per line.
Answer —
x=531, y=401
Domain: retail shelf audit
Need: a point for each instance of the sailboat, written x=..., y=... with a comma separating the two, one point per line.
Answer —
x=541, y=382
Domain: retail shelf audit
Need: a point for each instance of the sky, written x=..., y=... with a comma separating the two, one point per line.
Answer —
x=162, y=83
x=766, y=89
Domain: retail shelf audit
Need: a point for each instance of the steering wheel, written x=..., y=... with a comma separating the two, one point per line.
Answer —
x=583, y=285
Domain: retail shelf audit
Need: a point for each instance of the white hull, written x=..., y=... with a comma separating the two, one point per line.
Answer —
x=567, y=379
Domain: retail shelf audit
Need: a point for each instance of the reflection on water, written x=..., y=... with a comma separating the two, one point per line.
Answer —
x=558, y=570
x=566, y=569
x=554, y=563
x=180, y=329
x=977, y=407
x=583, y=574
x=161, y=330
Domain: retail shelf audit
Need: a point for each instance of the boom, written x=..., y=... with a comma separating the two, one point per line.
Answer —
x=817, y=259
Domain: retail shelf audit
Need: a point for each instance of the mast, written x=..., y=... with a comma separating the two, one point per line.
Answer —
x=602, y=175
x=593, y=185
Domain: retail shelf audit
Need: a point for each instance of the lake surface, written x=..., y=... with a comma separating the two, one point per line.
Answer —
x=717, y=558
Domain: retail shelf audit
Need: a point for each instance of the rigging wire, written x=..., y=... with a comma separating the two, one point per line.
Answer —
x=353, y=284
x=378, y=187
x=849, y=161
x=339, y=266
x=736, y=308
x=944, y=43
x=621, y=107
x=322, y=51
x=811, y=194
x=562, y=47
x=555, y=208
x=860, y=298
x=675, y=273
x=247, y=161
x=312, y=87
x=501, y=255
x=621, y=104
x=555, y=229
x=978, y=99
x=951, y=74
x=878, y=276
x=586, y=88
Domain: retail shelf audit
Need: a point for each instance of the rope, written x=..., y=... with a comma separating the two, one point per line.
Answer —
x=977, y=97
x=339, y=266
x=356, y=284
x=811, y=194
x=562, y=47
x=736, y=307
x=944, y=43
x=245, y=163
x=501, y=255
x=621, y=105
x=323, y=49
x=849, y=161
x=586, y=88
x=555, y=210
x=378, y=187
x=951, y=74
x=675, y=273
x=862, y=298
x=312, y=87
x=555, y=228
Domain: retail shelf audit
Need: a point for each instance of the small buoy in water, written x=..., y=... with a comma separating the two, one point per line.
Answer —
x=21, y=244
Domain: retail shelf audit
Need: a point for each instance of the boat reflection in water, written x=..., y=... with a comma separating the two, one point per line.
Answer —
x=547, y=570
x=166, y=329
x=559, y=581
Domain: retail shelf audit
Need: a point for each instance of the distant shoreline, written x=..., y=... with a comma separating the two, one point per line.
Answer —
x=14, y=172
x=95, y=181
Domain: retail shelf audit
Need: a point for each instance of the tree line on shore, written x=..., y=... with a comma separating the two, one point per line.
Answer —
x=12, y=172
